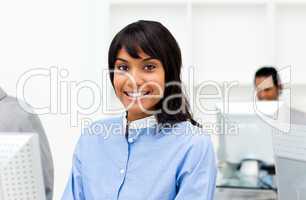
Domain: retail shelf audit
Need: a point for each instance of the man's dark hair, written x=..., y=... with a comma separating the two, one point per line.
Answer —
x=267, y=71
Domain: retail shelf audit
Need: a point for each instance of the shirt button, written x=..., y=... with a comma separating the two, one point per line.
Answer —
x=122, y=171
x=130, y=140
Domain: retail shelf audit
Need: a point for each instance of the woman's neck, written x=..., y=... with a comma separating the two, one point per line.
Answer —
x=133, y=117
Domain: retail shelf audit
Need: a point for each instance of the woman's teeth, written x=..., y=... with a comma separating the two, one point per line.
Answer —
x=136, y=94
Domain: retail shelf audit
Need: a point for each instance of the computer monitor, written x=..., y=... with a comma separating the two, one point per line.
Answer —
x=20, y=167
x=290, y=162
x=244, y=134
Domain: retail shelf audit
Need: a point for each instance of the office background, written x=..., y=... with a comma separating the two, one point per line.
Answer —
x=225, y=40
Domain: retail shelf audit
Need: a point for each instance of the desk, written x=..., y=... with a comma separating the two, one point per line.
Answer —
x=228, y=193
x=232, y=185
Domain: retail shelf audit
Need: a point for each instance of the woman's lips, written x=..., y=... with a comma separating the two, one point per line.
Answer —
x=136, y=95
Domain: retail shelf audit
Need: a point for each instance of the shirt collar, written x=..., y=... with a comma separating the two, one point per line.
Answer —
x=145, y=122
x=135, y=127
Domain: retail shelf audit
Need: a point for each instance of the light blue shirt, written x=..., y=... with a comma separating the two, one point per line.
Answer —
x=154, y=163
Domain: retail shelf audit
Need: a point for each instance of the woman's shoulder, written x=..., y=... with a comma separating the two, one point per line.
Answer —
x=101, y=126
x=190, y=136
x=190, y=131
x=195, y=143
x=99, y=133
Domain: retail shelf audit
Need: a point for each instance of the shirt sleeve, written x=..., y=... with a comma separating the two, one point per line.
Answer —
x=74, y=187
x=196, y=179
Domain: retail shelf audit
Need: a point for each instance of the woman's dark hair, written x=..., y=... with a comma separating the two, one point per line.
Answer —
x=267, y=71
x=156, y=41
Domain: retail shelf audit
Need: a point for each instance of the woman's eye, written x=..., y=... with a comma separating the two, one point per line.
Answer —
x=122, y=67
x=149, y=67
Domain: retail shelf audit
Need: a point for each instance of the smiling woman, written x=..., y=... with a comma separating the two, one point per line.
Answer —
x=164, y=155
x=151, y=41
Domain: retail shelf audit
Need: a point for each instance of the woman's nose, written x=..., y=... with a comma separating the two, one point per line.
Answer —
x=136, y=79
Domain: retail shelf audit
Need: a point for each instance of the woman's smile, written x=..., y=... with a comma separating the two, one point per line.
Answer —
x=136, y=95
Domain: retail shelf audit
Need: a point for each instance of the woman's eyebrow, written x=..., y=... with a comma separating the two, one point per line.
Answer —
x=147, y=58
x=121, y=59
x=143, y=60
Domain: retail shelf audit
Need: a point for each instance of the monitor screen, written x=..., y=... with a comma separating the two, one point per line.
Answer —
x=245, y=134
x=20, y=167
x=290, y=162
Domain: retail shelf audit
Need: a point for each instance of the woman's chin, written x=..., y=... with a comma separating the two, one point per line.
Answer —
x=138, y=110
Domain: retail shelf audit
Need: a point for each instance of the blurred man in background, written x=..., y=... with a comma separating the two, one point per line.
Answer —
x=14, y=119
x=267, y=83
x=269, y=88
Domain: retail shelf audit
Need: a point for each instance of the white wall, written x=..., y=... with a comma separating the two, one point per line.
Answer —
x=67, y=34
x=290, y=39
x=227, y=40
x=231, y=40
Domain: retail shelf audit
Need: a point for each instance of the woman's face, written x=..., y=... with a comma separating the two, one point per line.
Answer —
x=139, y=83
